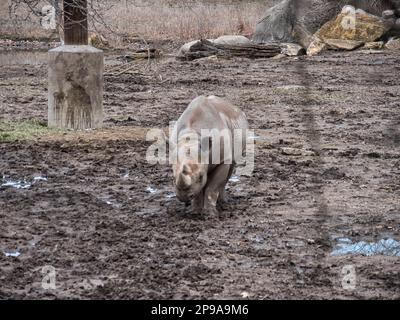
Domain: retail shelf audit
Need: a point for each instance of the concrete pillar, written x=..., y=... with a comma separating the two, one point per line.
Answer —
x=75, y=92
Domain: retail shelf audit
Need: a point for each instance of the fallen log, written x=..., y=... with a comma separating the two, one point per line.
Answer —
x=205, y=48
x=150, y=53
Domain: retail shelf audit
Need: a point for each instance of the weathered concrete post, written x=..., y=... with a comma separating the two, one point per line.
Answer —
x=75, y=93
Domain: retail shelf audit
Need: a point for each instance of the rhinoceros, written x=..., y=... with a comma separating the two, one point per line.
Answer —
x=203, y=145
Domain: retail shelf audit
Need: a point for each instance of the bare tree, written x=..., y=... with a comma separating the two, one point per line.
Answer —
x=75, y=16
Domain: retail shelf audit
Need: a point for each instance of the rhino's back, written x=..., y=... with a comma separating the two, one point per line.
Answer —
x=211, y=113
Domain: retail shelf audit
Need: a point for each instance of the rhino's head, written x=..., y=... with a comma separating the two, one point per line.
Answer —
x=190, y=179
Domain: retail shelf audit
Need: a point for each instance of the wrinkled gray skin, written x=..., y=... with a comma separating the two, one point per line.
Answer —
x=203, y=183
x=297, y=20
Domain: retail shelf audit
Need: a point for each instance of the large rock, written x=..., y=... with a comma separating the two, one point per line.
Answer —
x=393, y=44
x=388, y=14
x=360, y=26
x=294, y=21
x=297, y=20
x=343, y=44
x=229, y=40
x=349, y=30
x=316, y=46
x=232, y=40
x=376, y=45
x=292, y=49
x=186, y=47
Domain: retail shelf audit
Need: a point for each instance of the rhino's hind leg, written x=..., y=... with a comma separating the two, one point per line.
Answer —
x=223, y=198
x=216, y=181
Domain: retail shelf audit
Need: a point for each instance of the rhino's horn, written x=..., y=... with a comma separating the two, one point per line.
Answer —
x=186, y=169
x=183, y=181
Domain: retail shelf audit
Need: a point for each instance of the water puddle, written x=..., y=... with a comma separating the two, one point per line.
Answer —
x=39, y=178
x=109, y=200
x=386, y=247
x=125, y=176
x=20, y=184
x=14, y=254
x=151, y=190
x=234, y=179
x=16, y=184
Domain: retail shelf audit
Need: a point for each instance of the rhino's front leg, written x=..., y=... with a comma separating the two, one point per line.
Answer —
x=216, y=181
x=198, y=202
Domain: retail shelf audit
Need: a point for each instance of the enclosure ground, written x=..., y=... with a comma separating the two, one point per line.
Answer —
x=327, y=166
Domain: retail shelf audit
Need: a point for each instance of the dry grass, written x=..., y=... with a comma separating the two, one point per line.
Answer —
x=159, y=20
x=186, y=21
x=22, y=23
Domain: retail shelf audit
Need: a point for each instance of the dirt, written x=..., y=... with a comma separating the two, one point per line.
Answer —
x=327, y=166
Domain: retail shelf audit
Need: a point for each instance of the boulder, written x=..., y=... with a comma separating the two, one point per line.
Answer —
x=231, y=40
x=395, y=31
x=316, y=46
x=348, y=30
x=375, y=45
x=393, y=44
x=186, y=47
x=343, y=44
x=279, y=56
x=292, y=49
x=297, y=20
x=358, y=27
x=388, y=14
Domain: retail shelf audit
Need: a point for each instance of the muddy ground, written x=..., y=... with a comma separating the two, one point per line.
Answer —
x=327, y=166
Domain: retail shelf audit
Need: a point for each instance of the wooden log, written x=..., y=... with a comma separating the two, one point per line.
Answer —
x=143, y=54
x=205, y=48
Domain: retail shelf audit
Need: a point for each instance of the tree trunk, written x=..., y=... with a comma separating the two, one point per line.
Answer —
x=59, y=19
x=75, y=22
